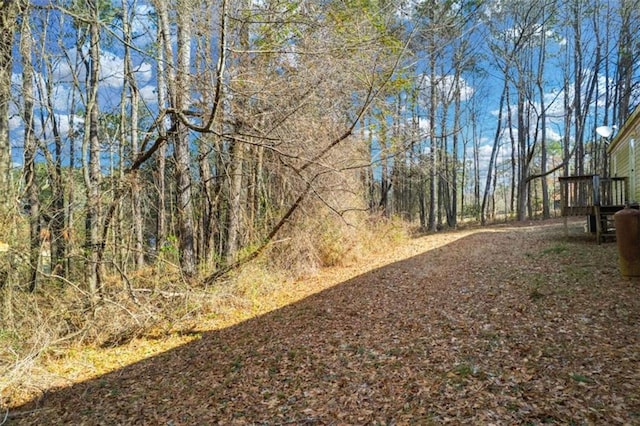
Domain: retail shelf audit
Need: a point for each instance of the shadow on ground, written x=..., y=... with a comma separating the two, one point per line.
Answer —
x=486, y=329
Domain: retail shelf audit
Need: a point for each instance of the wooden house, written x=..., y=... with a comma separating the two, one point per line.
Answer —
x=624, y=155
x=600, y=197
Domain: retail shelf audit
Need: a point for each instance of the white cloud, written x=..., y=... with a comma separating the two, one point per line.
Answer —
x=61, y=97
x=16, y=81
x=144, y=73
x=143, y=26
x=552, y=135
x=15, y=122
x=63, y=122
x=149, y=94
x=423, y=124
x=445, y=85
x=484, y=153
x=111, y=70
x=554, y=105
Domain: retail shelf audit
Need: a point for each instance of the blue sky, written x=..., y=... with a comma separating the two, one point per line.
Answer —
x=112, y=78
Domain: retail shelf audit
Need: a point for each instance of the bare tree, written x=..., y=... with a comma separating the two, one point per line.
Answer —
x=91, y=153
x=178, y=80
x=628, y=53
x=31, y=181
x=9, y=10
x=164, y=40
x=492, y=159
x=129, y=122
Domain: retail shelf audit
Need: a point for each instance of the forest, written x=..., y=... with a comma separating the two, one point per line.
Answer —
x=150, y=148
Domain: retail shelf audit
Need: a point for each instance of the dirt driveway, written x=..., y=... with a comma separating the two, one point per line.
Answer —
x=508, y=325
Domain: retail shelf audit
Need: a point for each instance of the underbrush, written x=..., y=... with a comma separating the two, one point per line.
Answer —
x=60, y=317
x=322, y=242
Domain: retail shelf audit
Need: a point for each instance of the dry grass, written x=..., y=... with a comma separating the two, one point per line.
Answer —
x=55, y=337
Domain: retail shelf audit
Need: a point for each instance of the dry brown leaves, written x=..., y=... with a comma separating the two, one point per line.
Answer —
x=517, y=325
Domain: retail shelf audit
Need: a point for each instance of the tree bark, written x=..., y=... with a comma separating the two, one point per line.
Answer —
x=9, y=10
x=492, y=158
x=91, y=157
x=30, y=148
x=164, y=40
x=627, y=56
x=543, y=127
x=179, y=89
x=433, y=154
x=134, y=99
x=182, y=158
x=235, y=197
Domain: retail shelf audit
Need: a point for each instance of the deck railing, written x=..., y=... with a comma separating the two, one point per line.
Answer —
x=581, y=194
x=612, y=191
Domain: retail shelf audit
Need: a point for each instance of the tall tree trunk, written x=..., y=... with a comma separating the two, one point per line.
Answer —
x=494, y=154
x=236, y=166
x=523, y=159
x=476, y=166
x=515, y=157
x=566, y=138
x=577, y=86
x=181, y=142
x=178, y=86
x=91, y=157
x=60, y=214
x=235, y=201
x=543, y=120
x=164, y=40
x=433, y=166
x=422, y=200
x=207, y=210
x=369, y=177
x=208, y=146
x=122, y=250
x=453, y=219
x=30, y=148
x=134, y=99
x=385, y=185
x=67, y=210
x=8, y=14
x=627, y=56
x=444, y=162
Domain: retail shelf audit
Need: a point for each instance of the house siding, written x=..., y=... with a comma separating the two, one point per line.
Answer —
x=624, y=153
x=620, y=161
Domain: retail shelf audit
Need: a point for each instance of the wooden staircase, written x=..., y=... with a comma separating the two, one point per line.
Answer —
x=596, y=197
x=605, y=225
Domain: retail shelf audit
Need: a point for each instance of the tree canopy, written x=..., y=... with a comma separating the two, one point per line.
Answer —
x=199, y=134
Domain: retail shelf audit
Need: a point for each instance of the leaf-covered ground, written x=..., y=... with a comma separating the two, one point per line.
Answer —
x=513, y=325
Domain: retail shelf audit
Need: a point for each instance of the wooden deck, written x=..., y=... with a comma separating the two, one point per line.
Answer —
x=594, y=196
